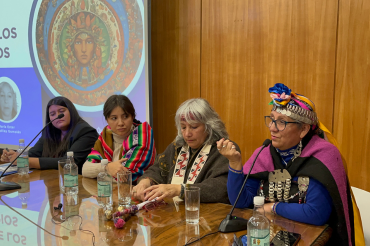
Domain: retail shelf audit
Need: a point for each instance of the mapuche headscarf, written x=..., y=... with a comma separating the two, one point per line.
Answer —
x=294, y=105
x=300, y=108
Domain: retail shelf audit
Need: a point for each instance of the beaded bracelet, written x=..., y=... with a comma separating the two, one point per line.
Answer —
x=273, y=210
x=235, y=171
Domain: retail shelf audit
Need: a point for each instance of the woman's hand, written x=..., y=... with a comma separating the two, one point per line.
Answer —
x=161, y=191
x=12, y=158
x=138, y=190
x=34, y=162
x=228, y=149
x=116, y=167
x=268, y=207
x=8, y=156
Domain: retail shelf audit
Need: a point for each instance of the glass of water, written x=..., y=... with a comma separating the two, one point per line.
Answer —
x=192, y=204
x=124, y=184
x=61, y=164
x=191, y=233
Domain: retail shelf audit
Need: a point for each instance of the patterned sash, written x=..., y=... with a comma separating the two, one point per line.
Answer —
x=139, y=148
x=182, y=163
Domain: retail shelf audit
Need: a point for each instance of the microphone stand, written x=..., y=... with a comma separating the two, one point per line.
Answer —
x=12, y=185
x=233, y=223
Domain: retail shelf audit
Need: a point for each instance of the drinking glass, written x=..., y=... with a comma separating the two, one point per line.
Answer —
x=191, y=233
x=192, y=204
x=124, y=184
x=61, y=164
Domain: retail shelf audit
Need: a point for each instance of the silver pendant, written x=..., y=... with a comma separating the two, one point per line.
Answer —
x=279, y=175
x=303, y=183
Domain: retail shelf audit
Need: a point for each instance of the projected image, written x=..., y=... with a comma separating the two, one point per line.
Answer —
x=84, y=50
x=87, y=50
x=10, y=100
x=83, y=43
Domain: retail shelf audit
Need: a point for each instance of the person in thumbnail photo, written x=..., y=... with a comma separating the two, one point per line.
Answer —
x=8, y=102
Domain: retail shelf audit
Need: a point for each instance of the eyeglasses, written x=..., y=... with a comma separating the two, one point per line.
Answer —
x=279, y=124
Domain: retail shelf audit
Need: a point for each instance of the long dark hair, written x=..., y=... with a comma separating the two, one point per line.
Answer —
x=53, y=145
x=122, y=102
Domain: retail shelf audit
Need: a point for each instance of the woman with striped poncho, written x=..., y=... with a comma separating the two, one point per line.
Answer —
x=127, y=143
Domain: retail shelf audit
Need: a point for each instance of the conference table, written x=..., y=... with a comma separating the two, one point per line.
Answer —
x=28, y=217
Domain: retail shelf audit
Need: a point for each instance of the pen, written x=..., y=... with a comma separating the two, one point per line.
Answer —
x=7, y=149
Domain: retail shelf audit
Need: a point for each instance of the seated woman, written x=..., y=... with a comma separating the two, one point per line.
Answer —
x=127, y=143
x=70, y=133
x=191, y=159
x=301, y=175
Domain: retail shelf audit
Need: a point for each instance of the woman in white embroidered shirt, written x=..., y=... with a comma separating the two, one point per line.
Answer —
x=192, y=158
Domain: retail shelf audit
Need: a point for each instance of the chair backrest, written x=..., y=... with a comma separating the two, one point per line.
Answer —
x=362, y=198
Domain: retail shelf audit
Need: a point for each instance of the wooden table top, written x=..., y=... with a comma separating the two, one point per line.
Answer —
x=160, y=226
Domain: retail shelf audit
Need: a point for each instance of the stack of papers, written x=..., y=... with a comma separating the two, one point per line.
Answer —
x=10, y=170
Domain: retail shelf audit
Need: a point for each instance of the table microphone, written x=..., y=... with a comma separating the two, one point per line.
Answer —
x=233, y=223
x=12, y=185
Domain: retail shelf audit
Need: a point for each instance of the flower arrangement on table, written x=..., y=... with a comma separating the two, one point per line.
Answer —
x=122, y=215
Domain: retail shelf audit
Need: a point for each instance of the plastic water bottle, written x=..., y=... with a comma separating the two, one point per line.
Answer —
x=71, y=208
x=105, y=199
x=24, y=192
x=258, y=225
x=70, y=176
x=22, y=161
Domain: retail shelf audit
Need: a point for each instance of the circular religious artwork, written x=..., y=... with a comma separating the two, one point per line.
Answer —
x=87, y=50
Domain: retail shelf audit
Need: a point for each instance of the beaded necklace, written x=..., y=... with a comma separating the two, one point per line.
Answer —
x=287, y=155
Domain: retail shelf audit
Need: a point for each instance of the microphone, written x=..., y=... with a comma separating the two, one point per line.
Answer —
x=12, y=185
x=62, y=237
x=234, y=223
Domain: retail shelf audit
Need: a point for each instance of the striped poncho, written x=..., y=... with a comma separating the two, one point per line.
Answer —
x=138, y=147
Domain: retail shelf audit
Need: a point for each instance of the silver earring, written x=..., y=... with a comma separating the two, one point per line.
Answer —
x=297, y=151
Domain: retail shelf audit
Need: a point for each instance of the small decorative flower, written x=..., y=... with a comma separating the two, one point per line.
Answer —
x=134, y=209
x=280, y=94
x=120, y=223
x=108, y=214
x=120, y=208
x=280, y=88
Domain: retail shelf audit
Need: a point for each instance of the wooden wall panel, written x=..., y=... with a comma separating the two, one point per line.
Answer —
x=249, y=45
x=175, y=62
x=352, y=90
